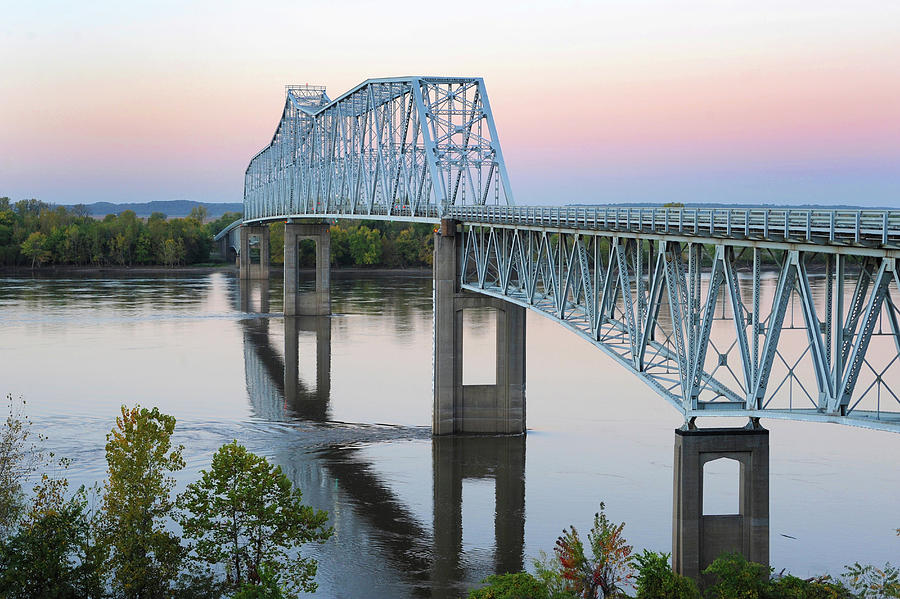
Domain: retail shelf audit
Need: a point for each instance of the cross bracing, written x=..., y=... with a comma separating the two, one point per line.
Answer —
x=677, y=295
x=404, y=147
x=695, y=322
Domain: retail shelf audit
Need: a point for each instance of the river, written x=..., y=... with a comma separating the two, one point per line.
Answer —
x=343, y=404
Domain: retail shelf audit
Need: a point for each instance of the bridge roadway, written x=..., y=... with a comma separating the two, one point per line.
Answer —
x=677, y=295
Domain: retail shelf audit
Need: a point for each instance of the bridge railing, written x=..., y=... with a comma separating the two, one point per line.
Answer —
x=869, y=227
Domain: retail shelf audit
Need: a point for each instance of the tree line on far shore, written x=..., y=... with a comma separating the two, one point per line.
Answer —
x=33, y=233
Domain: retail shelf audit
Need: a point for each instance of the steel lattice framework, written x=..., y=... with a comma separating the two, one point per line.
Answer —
x=676, y=295
x=691, y=319
x=405, y=147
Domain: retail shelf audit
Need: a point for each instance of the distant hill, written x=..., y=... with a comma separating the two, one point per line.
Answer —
x=171, y=208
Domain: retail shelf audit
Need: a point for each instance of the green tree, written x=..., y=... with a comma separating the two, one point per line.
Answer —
x=607, y=570
x=547, y=569
x=244, y=513
x=736, y=577
x=33, y=248
x=791, y=587
x=143, y=251
x=55, y=553
x=872, y=581
x=269, y=586
x=173, y=251
x=145, y=557
x=511, y=586
x=199, y=213
x=19, y=458
x=656, y=580
x=365, y=246
x=340, y=246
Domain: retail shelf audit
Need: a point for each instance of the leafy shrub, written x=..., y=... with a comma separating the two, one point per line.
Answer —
x=872, y=581
x=511, y=586
x=791, y=587
x=656, y=580
x=736, y=578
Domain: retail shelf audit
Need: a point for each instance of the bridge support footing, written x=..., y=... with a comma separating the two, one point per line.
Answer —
x=484, y=409
x=310, y=303
x=248, y=268
x=698, y=539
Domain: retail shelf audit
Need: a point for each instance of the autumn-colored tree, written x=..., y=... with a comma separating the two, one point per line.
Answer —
x=145, y=557
x=607, y=570
x=245, y=514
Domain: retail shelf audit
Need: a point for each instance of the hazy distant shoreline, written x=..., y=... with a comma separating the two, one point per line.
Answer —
x=171, y=208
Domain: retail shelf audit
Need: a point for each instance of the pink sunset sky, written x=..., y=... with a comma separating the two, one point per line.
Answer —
x=596, y=102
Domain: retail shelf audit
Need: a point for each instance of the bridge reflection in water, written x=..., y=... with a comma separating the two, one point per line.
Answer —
x=430, y=559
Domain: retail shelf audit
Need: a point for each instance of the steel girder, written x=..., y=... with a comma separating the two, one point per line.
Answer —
x=406, y=147
x=677, y=316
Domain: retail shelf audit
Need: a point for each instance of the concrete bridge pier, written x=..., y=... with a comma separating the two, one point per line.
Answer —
x=248, y=268
x=699, y=538
x=458, y=408
x=311, y=303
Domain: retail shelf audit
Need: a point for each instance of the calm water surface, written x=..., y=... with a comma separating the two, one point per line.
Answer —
x=344, y=405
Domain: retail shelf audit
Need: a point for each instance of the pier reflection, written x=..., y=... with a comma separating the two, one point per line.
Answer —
x=428, y=557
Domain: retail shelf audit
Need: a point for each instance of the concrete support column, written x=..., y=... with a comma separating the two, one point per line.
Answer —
x=248, y=268
x=698, y=539
x=318, y=302
x=458, y=408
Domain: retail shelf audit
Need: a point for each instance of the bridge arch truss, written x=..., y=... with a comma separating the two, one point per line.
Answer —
x=403, y=148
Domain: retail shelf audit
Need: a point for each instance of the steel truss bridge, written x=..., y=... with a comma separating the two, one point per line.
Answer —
x=752, y=312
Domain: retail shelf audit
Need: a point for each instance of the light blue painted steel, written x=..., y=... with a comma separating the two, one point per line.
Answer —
x=424, y=149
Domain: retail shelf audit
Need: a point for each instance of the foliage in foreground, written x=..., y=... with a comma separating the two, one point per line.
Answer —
x=145, y=557
x=657, y=580
x=604, y=573
x=246, y=515
x=56, y=546
x=19, y=458
x=735, y=577
x=572, y=573
x=521, y=585
x=872, y=581
x=55, y=552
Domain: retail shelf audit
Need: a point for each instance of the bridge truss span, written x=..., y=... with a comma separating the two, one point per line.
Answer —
x=401, y=148
x=717, y=327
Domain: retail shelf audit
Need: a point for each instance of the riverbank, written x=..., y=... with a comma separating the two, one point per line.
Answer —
x=119, y=271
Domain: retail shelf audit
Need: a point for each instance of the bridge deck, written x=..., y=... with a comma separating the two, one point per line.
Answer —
x=841, y=227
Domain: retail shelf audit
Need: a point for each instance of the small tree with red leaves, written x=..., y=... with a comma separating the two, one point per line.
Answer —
x=608, y=569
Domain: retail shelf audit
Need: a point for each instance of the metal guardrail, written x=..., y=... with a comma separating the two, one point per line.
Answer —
x=822, y=226
x=868, y=227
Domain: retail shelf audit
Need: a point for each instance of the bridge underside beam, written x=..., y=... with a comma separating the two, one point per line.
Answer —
x=459, y=408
